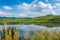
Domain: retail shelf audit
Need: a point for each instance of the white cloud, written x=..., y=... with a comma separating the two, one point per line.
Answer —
x=49, y=6
x=56, y=8
x=33, y=2
x=7, y=8
x=46, y=0
x=24, y=6
x=33, y=10
x=2, y=13
x=22, y=15
x=5, y=14
x=37, y=9
x=57, y=5
x=42, y=7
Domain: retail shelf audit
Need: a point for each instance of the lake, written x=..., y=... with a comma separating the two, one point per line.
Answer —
x=25, y=29
x=29, y=27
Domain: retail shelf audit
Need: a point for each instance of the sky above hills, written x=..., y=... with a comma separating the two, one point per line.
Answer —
x=29, y=8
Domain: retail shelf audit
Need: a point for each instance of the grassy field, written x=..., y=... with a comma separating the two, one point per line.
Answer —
x=51, y=20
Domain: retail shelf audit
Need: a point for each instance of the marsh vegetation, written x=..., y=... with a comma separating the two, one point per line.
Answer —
x=13, y=34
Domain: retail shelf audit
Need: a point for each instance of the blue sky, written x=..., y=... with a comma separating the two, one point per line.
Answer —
x=29, y=8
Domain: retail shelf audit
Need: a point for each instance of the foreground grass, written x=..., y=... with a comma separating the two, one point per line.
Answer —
x=13, y=34
x=9, y=34
x=43, y=35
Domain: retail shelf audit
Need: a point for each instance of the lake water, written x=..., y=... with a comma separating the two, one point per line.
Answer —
x=30, y=28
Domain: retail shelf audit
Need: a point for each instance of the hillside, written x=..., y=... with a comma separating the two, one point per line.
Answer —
x=48, y=20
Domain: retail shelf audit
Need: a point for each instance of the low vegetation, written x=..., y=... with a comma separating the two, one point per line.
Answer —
x=9, y=34
x=51, y=20
x=13, y=34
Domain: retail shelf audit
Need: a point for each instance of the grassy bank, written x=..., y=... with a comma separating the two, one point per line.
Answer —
x=51, y=20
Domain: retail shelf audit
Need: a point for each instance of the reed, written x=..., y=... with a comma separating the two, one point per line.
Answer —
x=10, y=34
x=13, y=34
x=43, y=35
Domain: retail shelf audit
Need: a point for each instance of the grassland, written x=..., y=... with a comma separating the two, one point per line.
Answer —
x=49, y=20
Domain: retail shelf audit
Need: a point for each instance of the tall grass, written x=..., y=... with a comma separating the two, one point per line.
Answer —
x=10, y=34
x=13, y=34
x=42, y=35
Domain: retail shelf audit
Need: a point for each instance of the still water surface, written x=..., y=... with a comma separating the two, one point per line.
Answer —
x=23, y=28
x=30, y=27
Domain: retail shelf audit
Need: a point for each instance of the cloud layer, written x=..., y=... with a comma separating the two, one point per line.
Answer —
x=31, y=10
x=7, y=8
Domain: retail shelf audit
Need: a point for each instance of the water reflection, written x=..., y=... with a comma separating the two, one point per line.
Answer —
x=30, y=27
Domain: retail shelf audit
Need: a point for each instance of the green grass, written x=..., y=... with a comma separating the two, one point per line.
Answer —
x=49, y=20
x=38, y=35
x=42, y=35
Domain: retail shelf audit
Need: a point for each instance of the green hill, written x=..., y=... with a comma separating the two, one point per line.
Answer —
x=48, y=20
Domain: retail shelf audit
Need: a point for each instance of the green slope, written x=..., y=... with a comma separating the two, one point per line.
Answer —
x=43, y=18
x=48, y=20
x=55, y=19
